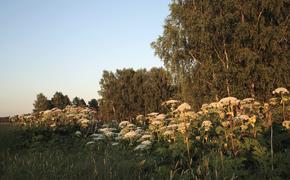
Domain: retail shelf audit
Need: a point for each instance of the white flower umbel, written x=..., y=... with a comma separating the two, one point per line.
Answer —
x=168, y=133
x=123, y=124
x=281, y=90
x=286, y=124
x=146, y=137
x=207, y=125
x=160, y=117
x=156, y=123
x=147, y=143
x=131, y=135
x=183, y=108
x=229, y=101
x=171, y=102
x=78, y=133
x=143, y=146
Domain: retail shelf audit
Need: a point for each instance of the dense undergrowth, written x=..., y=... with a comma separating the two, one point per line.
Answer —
x=229, y=139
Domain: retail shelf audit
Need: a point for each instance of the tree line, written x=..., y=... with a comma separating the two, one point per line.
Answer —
x=42, y=103
x=210, y=50
x=127, y=93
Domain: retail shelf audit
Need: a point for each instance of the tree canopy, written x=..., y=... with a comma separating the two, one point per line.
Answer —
x=79, y=102
x=226, y=48
x=127, y=93
x=41, y=103
x=60, y=101
x=94, y=104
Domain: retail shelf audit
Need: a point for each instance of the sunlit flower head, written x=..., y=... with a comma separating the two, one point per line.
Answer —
x=215, y=105
x=172, y=126
x=147, y=143
x=131, y=126
x=107, y=129
x=183, y=108
x=190, y=114
x=182, y=127
x=247, y=101
x=273, y=101
x=171, y=102
x=280, y=90
x=229, y=101
x=153, y=114
x=168, y=133
x=226, y=124
x=131, y=135
x=140, y=118
x=243, y=127
x=123, y=124
x=146, y=137
x=207, y=125
x=156, y=123
x=244, y=117
x=252, y=120
x=160, y=117
x=286, y=124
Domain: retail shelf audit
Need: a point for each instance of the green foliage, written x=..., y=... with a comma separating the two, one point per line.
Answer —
x=226, y=48
x=41, y=103
x=40, y=154
x=94, y=104
x=79, y=102
x=60, y=101
x=127, y=93
x=226, y=141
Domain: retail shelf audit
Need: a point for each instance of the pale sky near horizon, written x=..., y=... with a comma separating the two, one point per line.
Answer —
x=64, y=45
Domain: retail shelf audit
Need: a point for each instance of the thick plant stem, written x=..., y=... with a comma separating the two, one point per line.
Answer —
x=284, y=114
x=272, y=151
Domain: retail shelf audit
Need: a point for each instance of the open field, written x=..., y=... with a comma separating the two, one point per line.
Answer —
x=26, y=155
x=4, y=119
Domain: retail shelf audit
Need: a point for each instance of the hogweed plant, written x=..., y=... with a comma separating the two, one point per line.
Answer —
x=215, y=141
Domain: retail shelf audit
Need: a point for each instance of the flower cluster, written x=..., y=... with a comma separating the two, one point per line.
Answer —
x=227, y=121
x=70, y=116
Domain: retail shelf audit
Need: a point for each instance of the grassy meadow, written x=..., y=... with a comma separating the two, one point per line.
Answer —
x=39, y=155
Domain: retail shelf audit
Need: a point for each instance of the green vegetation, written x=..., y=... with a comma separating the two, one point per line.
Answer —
x=226, y=48
x=40, y=154
x=79, y=102
x=94, y=104
x=212, y=51
x=61, y=101
x=41, y=103
x=127, y=93
x=228, y=139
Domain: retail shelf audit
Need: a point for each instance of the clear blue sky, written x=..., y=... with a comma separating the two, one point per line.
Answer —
x=64, y=45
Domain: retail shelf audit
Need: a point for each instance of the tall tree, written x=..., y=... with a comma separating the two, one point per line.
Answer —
x=60, y=101
x=94, y=104
x=127, y=92
x=41, y=103
x=226, y=47
x=82, y=103
x=76, y=101
x=79, y=102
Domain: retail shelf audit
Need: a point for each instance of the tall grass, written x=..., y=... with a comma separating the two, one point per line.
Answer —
x=26, y=155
